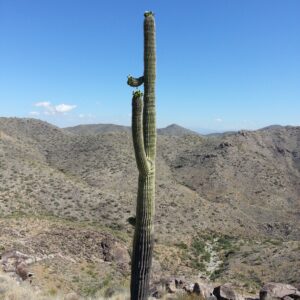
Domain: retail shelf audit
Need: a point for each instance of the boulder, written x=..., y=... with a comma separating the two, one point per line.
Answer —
x=171, y=286
x=226, y=292
x=106, y=245
x=71, y=296
x=273, y=290
x=174, y=285
x=121, y=256
x=287, y=298
x=188, y=287
x=203, y=289
x=180, y=283
x=156, y=292
x=115, y=252
x=22, y=271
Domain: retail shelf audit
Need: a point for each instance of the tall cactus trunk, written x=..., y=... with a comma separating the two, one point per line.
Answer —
x=143, y=239
x=144, y=141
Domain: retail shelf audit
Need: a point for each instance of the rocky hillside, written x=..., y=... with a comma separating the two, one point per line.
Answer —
x=228, y=207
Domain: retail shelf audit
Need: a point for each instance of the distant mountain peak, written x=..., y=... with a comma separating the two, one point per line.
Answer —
x=272, y=127
x=176, y=130
x=173, y=125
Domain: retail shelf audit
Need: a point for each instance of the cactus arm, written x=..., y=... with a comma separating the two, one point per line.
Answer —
x=135, y=82
x=137, y=133
x=149, y=120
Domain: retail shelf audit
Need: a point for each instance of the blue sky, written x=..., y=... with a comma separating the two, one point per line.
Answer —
x=221, y=64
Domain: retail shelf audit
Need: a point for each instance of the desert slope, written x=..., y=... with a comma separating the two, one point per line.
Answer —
x=242, y=188
x=256, y=174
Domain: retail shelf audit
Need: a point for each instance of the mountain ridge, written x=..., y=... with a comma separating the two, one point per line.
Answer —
x=172, y=129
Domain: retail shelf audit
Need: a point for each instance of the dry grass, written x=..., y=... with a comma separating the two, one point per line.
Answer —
x=10, y=289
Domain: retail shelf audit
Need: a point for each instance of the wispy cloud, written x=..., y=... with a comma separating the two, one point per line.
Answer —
x=50, y=109
x=219, y=120
x=34, y=113
x=86, y=116
x=62, y=108
x=42, y=104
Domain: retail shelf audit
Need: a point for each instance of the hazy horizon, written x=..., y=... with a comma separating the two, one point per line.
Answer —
x=200, y=130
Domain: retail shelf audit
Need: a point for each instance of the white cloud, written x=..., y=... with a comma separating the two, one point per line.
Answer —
x=42, y=104
x=50, y=109
x=49, y=112
x=219, y=120
x=34, y=113
x=62, y=108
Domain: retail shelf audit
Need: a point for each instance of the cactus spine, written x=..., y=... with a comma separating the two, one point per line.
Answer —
x=144, y=141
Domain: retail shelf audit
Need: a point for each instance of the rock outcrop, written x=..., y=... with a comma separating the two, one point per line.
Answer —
x=174, y=287
x=283, y=291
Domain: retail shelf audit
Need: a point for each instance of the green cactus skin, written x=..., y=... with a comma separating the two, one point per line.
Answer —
x=144, y=141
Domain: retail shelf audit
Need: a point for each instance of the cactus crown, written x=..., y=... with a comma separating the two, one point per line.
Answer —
x=137, y=93
x=148, y=13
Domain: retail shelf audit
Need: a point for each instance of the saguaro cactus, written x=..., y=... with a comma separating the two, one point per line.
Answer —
x=144, y=141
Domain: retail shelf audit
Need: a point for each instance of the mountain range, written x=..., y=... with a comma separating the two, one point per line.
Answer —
x=172, y=129
x=227, y=206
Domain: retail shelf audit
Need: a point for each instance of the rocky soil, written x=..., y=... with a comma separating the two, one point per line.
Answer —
x=227, y=210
